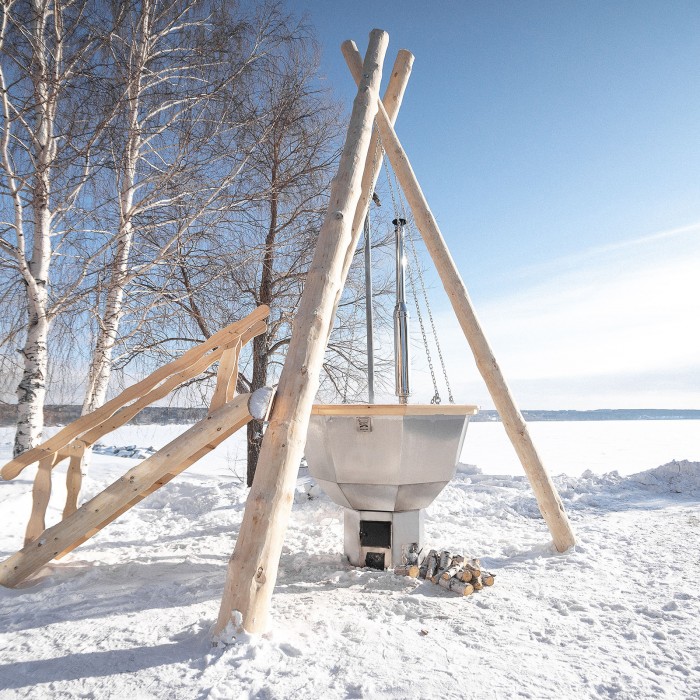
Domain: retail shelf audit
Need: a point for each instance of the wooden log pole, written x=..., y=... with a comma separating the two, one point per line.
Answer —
x=51, y=542
x=252, y=569
x=393, y=97
x=548, y=499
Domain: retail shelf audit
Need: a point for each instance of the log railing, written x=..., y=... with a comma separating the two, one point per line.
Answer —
x=72, y=441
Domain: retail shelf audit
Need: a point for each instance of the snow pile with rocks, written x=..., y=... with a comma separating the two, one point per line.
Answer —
x=129, y=613
x=128, y=451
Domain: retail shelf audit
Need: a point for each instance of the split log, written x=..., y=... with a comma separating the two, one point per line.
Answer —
x=474, y=568
x=410, y=570
x=476, y=582
x=450, y=571
x=444, y=561
x=487, y=579
x=548, y=500
x=456, y=586
x=457, y=563
x=431, y=562
x=253, y=566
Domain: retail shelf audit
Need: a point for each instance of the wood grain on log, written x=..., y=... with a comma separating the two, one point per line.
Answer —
x=99, y=419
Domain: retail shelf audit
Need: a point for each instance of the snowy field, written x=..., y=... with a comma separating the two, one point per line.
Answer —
x=128, y=614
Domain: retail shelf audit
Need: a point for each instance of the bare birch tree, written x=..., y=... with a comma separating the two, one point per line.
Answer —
x=45, y=158
x=178, y=70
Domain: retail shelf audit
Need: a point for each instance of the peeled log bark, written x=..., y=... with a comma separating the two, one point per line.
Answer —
x=252, y=569
x=393, y=97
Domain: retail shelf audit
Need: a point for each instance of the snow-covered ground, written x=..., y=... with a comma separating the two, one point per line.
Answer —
x=128, y=614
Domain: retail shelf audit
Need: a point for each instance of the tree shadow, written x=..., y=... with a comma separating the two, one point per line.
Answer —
x=130, y=587
x=95, y=664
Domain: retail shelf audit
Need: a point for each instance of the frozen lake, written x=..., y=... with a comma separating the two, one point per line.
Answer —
x=566, y=447
x=572, y=447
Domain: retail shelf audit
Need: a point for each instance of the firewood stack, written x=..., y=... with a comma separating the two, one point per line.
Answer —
x=455, y=573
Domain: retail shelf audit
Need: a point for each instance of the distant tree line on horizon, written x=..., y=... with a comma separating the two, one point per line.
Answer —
x=596, y=414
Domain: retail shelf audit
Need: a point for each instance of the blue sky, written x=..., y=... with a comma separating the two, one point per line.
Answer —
x=558, y=144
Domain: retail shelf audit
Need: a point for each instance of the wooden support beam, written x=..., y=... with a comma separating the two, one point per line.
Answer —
x=393, y=97
x=547, y=497
x=74, y=476
x=41, y=494
x=128, y=412
x=63, y=437
x=104, y=507
x=252, y=569
x=226, y=377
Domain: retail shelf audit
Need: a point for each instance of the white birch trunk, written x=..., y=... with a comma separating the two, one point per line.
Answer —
x=101, y=365
x=31, y=392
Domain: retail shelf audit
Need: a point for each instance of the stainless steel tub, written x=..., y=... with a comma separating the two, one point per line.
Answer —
x=385, y=457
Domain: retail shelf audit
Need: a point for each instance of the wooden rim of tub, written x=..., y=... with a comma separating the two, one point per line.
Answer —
x=380, y=409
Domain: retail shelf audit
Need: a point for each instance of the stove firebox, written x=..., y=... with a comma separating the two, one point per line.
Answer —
x=380, y=539
x=375, y=533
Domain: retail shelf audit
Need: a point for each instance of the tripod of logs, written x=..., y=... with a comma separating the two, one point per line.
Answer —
x=457, y=574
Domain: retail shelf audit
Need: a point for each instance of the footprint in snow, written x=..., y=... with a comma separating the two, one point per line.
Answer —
x=290, y=650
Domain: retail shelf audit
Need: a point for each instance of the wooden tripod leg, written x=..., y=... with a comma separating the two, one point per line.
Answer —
x=252, y=569
x=393, y=97
x=547, y=497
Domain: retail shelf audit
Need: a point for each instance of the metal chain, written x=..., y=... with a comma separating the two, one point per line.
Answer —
x=436, y=398
x=401, y=212
x=432, y=321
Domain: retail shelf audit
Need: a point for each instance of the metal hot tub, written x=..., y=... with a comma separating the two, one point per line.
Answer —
x=385, y=464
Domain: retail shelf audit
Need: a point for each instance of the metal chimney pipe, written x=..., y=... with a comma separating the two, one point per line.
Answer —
x=401, y=318
x=369, y=319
